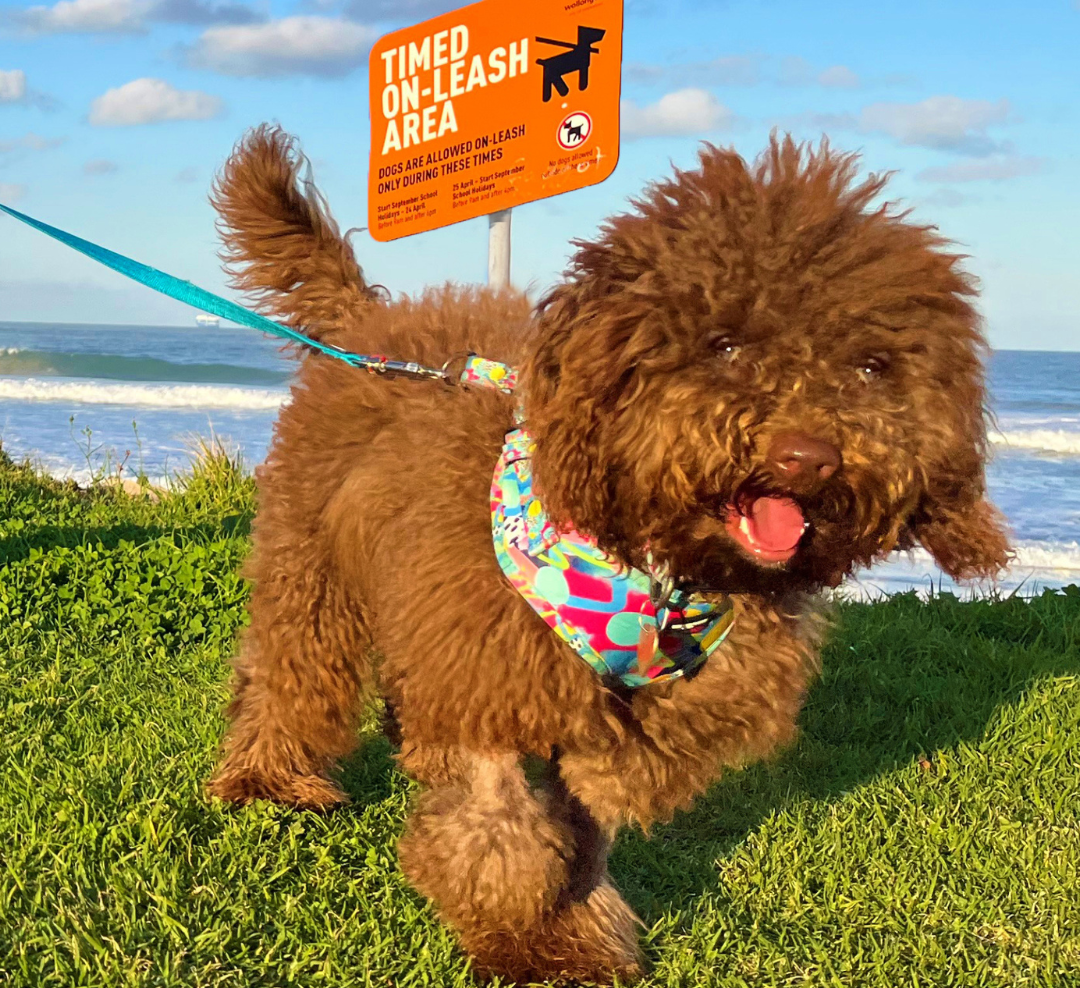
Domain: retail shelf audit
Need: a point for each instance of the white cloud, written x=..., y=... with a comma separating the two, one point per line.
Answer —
x=13, y=89
x=944, y=123
x=996, y=169
x=796, y=71
x=682, y=113
x=127, y=16
x=31, y=142
x=730, y=70
x=100, y=167
x=12, y=85
x=145, y=101
x=727, y=70
x=751, y=70
x=303, y=45
x=200, y=13
x=11, y=193
x=86, y=17
x=644, y=73
x=945, y=198
x=838, y=77
x=407, y=11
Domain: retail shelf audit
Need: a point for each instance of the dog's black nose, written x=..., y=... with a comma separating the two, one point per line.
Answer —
x=802, y=462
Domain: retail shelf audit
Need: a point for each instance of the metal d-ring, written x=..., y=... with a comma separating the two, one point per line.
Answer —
x=465, y=356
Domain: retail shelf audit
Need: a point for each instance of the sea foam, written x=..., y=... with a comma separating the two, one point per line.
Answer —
x=1060, y=441
x=143, y=395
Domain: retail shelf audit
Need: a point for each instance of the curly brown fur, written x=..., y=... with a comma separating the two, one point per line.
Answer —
x=736, y=304
x=282, y=247
x=523, y=875
x=733, y=308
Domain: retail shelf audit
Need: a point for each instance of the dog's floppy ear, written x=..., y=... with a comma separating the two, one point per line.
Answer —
x=962, y=530
x=953, y=520
x=563, y=407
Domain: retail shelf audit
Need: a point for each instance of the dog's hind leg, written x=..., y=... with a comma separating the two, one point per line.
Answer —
x=521, y=874
x=300, y=680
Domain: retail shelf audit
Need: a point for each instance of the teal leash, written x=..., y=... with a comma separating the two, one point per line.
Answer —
x=199, y=298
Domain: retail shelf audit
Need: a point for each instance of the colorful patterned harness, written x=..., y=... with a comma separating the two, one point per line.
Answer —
x=633, y=628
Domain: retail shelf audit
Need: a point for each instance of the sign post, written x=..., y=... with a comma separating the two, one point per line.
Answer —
x=489, y=107
x=499, y=249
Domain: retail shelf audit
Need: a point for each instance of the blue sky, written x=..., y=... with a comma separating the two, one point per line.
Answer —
x=115, y=114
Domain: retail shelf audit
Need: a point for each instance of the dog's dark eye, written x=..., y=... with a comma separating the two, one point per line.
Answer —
x=724, y=344
x=874, y=365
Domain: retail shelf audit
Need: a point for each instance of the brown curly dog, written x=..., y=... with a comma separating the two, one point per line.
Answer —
x=754, y=373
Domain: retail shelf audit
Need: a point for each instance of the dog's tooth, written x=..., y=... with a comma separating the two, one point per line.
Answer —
x=744, y=527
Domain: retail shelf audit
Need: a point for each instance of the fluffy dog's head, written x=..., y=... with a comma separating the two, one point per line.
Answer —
x=765, y=382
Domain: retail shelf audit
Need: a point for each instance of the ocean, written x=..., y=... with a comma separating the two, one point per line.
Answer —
x=80, y=399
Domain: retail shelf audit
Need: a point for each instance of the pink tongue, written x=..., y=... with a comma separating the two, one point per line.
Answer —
x=776, y=523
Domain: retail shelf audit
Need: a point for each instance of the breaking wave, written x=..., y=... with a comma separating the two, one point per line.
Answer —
x=117, y=367
x=1037, y=565
x=1059, y=556
x=1059, y=441
x=1030, y=555
x=144, y=395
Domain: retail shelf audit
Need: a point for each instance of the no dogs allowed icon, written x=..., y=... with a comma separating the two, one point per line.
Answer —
x=574, y=130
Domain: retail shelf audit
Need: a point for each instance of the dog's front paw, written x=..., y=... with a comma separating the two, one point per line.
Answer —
x=594, y=941
x=307, y=792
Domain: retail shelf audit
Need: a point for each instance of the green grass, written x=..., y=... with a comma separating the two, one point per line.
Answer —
x=925, y=831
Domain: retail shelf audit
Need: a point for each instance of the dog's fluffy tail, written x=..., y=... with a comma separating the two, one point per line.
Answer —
x=282, y=248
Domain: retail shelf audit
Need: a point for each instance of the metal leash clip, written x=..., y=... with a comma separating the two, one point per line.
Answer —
x=661, y=591
x=454, y=379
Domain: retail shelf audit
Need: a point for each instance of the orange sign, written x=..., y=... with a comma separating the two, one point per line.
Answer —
x=491, y=106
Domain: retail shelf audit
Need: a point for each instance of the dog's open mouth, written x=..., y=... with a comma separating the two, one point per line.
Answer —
x=769, y=528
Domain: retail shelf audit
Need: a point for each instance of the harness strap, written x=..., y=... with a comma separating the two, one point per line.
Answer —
x=484, y=373
x=632, y=627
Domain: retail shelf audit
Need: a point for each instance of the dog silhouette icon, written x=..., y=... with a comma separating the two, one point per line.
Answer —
x=578, y=59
